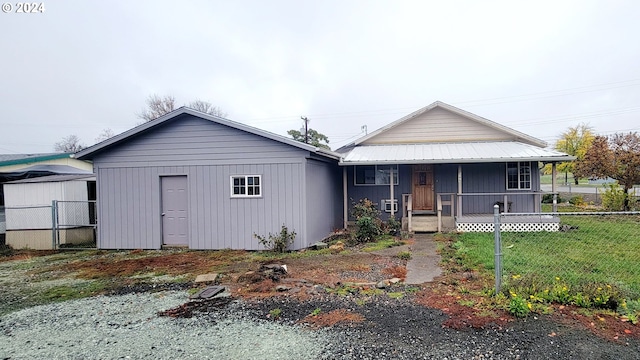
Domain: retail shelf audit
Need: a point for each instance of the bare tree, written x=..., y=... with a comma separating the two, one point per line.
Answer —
x=157, y=106
x=207, y=108
x=104, y=135
x=69, y=144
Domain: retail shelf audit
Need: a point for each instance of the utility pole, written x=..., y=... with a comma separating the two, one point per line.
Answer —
x=306, y=129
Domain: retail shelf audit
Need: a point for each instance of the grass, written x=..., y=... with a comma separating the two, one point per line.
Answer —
x=599, y=253
x=383, y=243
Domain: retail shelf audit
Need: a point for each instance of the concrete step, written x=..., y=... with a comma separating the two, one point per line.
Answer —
x=424, y=223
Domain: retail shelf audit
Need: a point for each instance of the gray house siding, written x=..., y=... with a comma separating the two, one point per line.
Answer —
x=476, y=178
x=324, y=198
x=128, y=181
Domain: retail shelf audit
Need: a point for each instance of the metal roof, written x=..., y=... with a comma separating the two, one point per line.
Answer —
x=88, y=153
x=440, y=153
x=17, y=159
x=54, y=178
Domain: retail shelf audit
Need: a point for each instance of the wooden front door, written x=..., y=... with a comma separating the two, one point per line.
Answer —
x=423, y=188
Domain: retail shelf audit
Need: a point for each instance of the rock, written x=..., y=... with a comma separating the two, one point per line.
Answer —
x=295, y=290
x=251, y=277
x=320, y=245
x=394, y=280
x=381, y=285
x=212, y=277
x=282, y=288
x=319, y=289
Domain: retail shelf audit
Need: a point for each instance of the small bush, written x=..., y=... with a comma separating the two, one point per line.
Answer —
x=577, y=200
x=367, y=229
x=613, y=198
x=278, y=243
x=404, y=255
x=368, y=223
x=394, y=226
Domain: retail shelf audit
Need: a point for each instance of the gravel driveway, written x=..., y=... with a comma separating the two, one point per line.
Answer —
x=127, y=326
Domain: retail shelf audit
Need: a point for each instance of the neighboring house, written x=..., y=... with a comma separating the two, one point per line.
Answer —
x=30, y=219
x=25, y=166
x=449, y=162
x=200, y=181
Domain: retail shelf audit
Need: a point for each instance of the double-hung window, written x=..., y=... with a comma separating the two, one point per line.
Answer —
x=246, y=186
x=375, y=174
x=518, y=176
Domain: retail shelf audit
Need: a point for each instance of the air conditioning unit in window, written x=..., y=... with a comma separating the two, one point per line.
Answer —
x=385, y=205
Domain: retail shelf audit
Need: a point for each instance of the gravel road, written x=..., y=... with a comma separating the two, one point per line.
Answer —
x=128, y=326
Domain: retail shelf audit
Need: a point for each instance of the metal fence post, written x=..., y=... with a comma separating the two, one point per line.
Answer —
x=54, y=223
x=497, y=248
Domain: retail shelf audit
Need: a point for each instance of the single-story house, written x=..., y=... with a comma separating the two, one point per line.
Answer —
x=195, y=180
x=443, y=167
x=32, y=223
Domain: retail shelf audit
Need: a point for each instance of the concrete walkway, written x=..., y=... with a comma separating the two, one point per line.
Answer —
x=424, y=264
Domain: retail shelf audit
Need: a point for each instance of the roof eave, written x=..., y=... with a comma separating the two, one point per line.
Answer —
x=458, y=161
x=88, y=152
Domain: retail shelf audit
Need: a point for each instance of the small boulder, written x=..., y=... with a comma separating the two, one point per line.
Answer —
x=319, y=245
x=381, y=285
x=282, y=288
x=394, y=280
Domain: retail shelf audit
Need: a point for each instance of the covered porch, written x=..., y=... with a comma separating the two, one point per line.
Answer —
x=453, y=194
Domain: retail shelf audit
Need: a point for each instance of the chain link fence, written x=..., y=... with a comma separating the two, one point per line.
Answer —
x=63, y=224
x=592, y=257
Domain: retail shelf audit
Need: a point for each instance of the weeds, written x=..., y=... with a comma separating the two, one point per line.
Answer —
x=278, y=243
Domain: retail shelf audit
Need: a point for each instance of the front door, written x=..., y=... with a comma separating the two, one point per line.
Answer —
x=175, y=218
x=423, y=188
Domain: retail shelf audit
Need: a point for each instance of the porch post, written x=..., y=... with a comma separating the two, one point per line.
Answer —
x=345, y=203
x=459, y=207
x=391, y=189
x=553, y=187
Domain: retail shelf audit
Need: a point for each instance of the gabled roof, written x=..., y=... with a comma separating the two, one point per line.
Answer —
x=89, y=152
x=442, y=153
x=516, y=135
x=17, y=159
x=54, y=178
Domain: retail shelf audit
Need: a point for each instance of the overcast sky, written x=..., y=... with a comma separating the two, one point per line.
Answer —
x=536, y=66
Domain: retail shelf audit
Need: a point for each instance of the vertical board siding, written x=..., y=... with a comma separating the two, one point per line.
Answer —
x=130, y=215
x=208, y=153
x=189, y=140
x=324, y=200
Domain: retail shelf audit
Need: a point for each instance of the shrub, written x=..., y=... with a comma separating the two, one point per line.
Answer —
x=367, y=229
x=577, y=200
x=365, y=208
x=368, y=223
x=613, y=198
x=278, y=243
x=394, y=226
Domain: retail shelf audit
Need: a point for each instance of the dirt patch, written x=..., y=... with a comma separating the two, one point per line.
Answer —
x=333, y=317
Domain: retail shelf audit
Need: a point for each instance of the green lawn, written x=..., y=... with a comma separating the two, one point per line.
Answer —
x=599, y=251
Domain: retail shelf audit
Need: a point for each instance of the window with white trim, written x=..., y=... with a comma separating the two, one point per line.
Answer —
x=519, y=176
x=246, y=186
x=375, y=174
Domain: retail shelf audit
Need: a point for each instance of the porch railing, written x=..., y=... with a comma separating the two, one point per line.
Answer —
x=504, y=204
